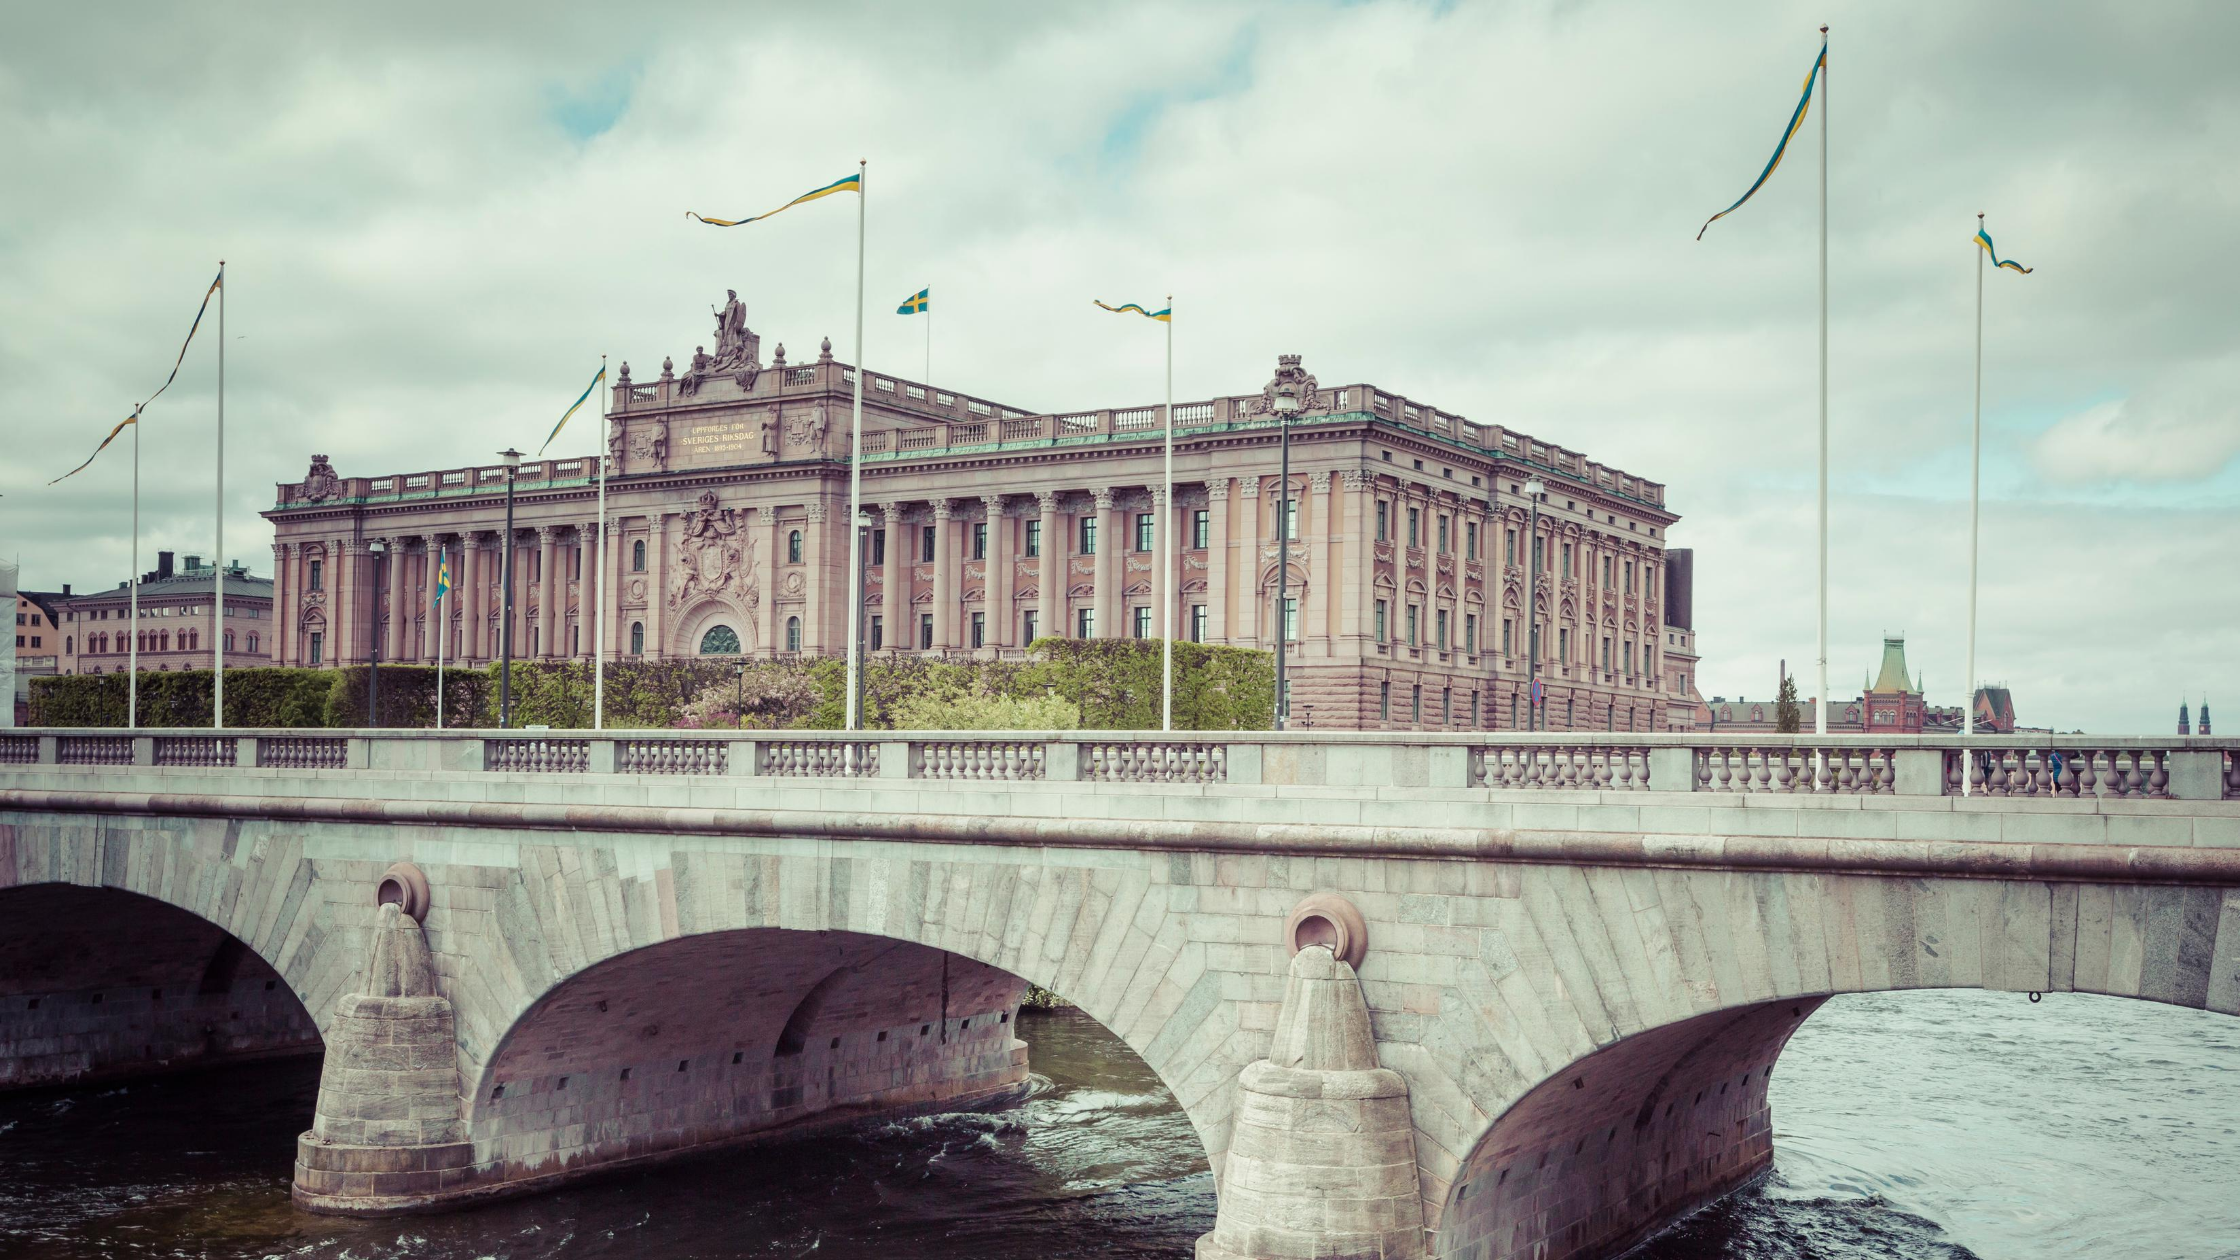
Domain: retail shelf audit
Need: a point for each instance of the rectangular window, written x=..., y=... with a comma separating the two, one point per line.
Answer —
x=1030, y=624
x=1197, y=623
x=929, y=541
x=1415, y=527
x=1088, y=535
x=1629, y=575
x=1629, y=658
x=1507, y=631
x=1412, y=614
x=1508, y=546
x=318, y=575
x=318, y=644
x=1384, y=702
x=925, y=630
x=1085, y=623
x=1540, y=553
x=1380, y=621
x=1384, y=521
x=1141, y=614
x=1291, y=520
x=1563, y=644
x=1567, y=569
x=1291, y=620
x=1473, y=710
x=1470, y=634
x=1446, y=705
x=878, y=546
x=1606, y=570
x=878, y=633
x=1441, y=624
x=1443, y=530
x=1415, y=703
x=1606, y=651
x=979, y=540
x=979, y=629
x=1144, y=531
x=1034, y=539
x=1201, y=529
x=1470, y=540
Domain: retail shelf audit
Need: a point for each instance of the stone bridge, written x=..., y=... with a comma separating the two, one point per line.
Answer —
x=1579, y=958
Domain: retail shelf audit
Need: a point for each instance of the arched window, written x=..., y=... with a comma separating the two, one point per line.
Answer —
x=67, y=648
x=638, y=635
x=252, y=643
x=793, y=634
x=638, y=556
x=229, y=640
x=719, y=641
x=793, y=547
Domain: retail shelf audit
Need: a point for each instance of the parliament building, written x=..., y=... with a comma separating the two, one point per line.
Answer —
x=990, y=526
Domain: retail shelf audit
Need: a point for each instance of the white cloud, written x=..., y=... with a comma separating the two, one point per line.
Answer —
x=2181, y=427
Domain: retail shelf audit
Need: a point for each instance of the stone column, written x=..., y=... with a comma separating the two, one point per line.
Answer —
x=774, y=553
x=392, y=567
x=591, y=588
x=350, y=639
x=995, y=593
x=657, y=589
x=547, y=587
x=1218, y=593
x=283, y=602
x=894, y=584
x=1250, y=598
x=1355, y=573
x=822, y=586
x=1318, y=516
x=1111, y=566
x=1050, y=589
x=945, y=564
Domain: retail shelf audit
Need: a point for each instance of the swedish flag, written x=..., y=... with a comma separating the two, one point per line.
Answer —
x=1796, y=120
x=596, y=377
x=1983, y=238
x=134, y=418
x=443, y=575
x=1164, y=314
x=915, y=304
x=853, y=183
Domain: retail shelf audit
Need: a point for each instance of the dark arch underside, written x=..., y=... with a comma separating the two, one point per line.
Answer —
x=99, y=982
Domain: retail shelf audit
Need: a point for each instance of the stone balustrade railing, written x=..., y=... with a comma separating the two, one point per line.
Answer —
x=1996, y=767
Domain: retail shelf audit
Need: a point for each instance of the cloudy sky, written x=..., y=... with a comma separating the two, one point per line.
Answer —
x=437, y=217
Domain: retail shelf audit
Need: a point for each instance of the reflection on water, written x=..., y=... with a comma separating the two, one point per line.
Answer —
x=1923, y=1126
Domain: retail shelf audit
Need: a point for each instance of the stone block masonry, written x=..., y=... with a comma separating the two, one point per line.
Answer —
x=96, y=983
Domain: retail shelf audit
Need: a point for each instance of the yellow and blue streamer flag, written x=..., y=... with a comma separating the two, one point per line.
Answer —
x=853, y=183
x=443, y=575
x=596, y=377
x=134, y=418
x=1796, y=120
x=1164, y=314
x=915, y=304
x=1983, y=238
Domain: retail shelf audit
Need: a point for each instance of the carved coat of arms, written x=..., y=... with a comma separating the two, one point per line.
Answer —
x=320, y=484
x=716, y=557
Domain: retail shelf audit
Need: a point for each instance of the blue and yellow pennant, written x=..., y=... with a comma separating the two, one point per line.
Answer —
x=134, y=418
x=915, y=304
x=1164, y=315
x=1983, y=238
x=596, y=377
x=1796, y=120
x=443, y=576
x=853, y=183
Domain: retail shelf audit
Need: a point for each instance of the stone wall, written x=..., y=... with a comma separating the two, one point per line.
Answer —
x=99, y=983
x=720, y=1037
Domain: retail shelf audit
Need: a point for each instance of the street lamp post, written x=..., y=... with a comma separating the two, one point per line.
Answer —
x=1532, y=491
x=377, y=548
x=1286, y=402
x=512, y=460
x=739, y=692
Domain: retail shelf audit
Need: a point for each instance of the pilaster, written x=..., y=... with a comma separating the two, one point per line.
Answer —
x=1050, y=597
x=996, y=593
x=945, y=574
x=825, y=582
x=1218, y=583
x=1110, y=566
x=894, y=585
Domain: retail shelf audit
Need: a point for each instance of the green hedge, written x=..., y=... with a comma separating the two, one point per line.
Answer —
x=1114, y=682
x=255, y=697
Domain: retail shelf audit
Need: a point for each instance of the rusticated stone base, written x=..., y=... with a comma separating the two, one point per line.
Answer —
x=346, y=1180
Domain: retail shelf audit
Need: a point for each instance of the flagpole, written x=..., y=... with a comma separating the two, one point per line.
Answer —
x=1820, y=711
x=443, y=627
x=599, y=583
x=132, y=684
x=928, y=312
x=1975, y=498
x=855, y=459
x=218, y=612
x=1166, y=548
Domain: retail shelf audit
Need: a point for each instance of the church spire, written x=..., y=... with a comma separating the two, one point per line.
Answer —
x=2185, y=721
x=2204, y=715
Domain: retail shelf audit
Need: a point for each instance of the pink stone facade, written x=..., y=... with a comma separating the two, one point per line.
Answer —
x=991, y=526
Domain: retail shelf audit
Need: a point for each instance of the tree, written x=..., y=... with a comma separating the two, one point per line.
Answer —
x=1788, y=715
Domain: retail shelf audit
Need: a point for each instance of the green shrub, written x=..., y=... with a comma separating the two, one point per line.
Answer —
x=256, y=696
x=408, y=697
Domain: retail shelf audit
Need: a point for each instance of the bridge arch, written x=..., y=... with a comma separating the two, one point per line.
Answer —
x=1622, y=1026
x=744, y=995
x=99, y=982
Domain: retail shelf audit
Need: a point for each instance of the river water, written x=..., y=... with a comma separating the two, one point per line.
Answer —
x=1921, y=1126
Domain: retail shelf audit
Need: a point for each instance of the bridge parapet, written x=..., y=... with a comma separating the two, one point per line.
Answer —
x=2106, y=768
